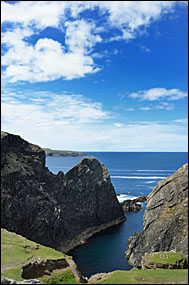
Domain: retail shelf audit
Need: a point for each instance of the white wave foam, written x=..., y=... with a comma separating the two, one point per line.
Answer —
x=148, y=182
x=138, y=177
x=123, y=197
x=154, y=170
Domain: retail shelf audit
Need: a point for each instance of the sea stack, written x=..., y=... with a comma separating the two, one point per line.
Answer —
x=60, y=211
x=165, y=219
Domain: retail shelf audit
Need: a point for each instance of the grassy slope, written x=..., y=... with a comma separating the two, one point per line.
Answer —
x=164, y=257
x=148, y=276
x=17, y=251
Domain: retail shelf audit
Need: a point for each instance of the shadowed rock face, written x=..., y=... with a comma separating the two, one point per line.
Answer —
x=165, y=219
x=61, y=211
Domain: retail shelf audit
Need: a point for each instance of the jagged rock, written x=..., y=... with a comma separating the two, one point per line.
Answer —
x=141, y=199
x=165, y=219
x=130, y=205
x=60, y=211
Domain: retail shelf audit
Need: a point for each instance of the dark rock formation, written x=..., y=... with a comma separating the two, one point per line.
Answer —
x=60, y=211
x=37, y=269
x=131, y=205
x=165, y=219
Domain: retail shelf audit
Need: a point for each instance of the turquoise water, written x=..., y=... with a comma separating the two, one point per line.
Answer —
x=133, y=175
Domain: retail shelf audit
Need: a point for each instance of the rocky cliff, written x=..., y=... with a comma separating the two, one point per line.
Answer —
x=165, y=219
x=60, y=211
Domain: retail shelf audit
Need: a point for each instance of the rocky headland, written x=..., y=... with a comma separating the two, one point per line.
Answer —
x=60, y=211
x=57, y=153
x=165, y=220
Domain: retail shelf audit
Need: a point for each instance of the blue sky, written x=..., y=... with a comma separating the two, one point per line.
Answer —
x=96, y=75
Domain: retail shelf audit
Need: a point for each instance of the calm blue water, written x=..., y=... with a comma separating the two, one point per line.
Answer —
x=133, y=174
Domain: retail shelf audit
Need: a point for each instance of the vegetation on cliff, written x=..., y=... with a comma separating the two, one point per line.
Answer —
x=56, y=153
x=17, y=251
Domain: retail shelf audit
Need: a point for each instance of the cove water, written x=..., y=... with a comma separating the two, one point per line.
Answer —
x=133, y=174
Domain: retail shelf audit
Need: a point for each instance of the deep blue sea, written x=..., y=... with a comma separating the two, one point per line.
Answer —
x=133, y=174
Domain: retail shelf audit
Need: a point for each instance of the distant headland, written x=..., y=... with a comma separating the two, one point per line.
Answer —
x=57, y=153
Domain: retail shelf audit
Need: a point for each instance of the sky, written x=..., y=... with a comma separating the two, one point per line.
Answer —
x=96, y=75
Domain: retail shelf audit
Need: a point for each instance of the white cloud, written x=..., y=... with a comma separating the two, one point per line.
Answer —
x=130, y=16
x=162, y=105
x=145, y=108
x=144, y=48
x=118, y=125
x=80, y=36
x=42, y=14
x=158, y=93
x=74, y=122
x=48, y=59
x=165, y=106
x=129, y=109
x=53, y=107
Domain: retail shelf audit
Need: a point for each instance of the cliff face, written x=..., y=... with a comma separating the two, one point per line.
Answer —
x=165, y=219
x=61, y=211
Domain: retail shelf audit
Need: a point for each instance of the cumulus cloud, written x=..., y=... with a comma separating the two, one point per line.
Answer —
x=47, y=59
x=154, y=94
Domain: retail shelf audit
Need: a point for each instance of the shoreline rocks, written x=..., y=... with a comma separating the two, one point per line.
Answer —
x=165, y=219
x=132, y=205
x=60, y=211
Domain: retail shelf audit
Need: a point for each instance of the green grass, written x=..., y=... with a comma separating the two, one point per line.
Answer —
x=60, y=277
x=164, y=257
x=148, y=276
x=17, y=251
x=13, y=273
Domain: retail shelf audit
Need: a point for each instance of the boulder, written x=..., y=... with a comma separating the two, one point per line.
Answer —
x=60, y=211
x=165, y=219
x=141, y=199
x=130, y=205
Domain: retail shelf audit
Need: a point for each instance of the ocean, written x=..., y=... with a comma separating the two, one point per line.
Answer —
x=133, y=174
